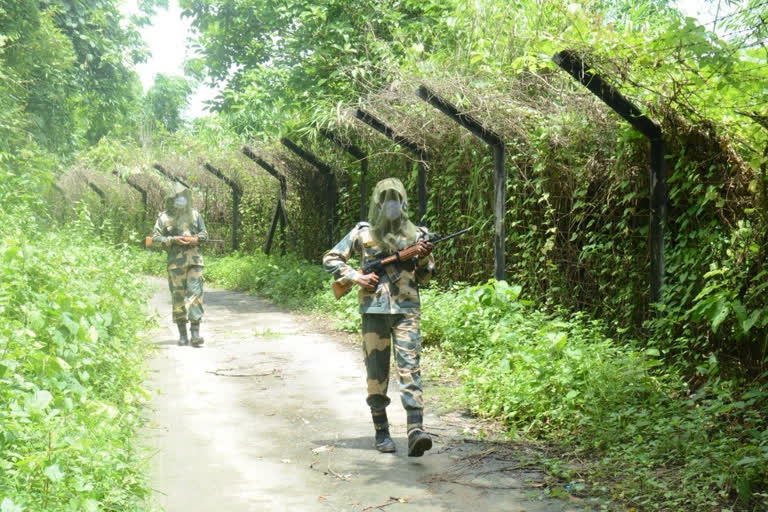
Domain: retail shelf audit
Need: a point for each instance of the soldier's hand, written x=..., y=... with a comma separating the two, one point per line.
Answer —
x=368, y=281
x=424, y=248
x=193, y=240
x=181, y=240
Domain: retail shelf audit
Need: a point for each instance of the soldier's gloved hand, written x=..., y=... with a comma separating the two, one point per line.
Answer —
x=425, y=248
x=368, y=281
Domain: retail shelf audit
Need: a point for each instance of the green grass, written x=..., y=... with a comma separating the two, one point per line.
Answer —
x=648, y=438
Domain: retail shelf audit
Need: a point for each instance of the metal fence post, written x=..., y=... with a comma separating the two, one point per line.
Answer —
x=499, y=172
x=578, y=69
x=408, y=144
x=280, y=206
x=142, y=193
x=170, y=175
x=358, y=153
x=330, y=190
x=237, y=194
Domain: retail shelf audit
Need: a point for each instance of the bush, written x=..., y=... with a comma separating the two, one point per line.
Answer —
x=70, y=373
x=563, y=379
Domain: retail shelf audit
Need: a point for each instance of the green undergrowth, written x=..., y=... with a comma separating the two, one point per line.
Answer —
x=286, y=280
x=651, y=440
x=71, y=367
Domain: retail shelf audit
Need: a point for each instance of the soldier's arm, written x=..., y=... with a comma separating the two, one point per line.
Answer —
x=202, y=233
x=425, y=267
x=335, y=260
x=158, y=233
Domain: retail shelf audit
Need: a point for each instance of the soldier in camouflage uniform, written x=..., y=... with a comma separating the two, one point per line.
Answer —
x=180, y=229
x=390, y=307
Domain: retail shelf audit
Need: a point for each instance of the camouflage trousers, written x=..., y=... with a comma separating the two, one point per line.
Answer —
x=380, y=333
x=186, y=285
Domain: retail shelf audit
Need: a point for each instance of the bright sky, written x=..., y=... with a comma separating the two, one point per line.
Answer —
x=167, y=40
x=705, y=11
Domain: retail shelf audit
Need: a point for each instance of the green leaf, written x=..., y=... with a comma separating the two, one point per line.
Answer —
x=38, y=401
x=9, y=506
x=748, y=323
x=558, y=340
x=720, y=313
x=53, y=473
x=739, y=311
x=91, y=505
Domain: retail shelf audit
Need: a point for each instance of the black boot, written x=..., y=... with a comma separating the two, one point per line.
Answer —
x=195, y=334
x=384, y=441
x=418, y=440
x=182, y=333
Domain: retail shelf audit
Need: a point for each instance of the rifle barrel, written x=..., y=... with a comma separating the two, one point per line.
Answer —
x=452, y=235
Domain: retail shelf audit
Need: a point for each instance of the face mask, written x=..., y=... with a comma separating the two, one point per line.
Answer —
x=180, y=202
x=391, y=209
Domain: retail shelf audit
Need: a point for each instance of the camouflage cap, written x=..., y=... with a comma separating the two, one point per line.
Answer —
x=391, y=233
x=177, y=190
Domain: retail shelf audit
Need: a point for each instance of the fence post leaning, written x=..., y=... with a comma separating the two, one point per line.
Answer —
x=358, y=153
x=280, y=206
x=420, y=153
x=142, y=193
x=170, y=175
x=499, y=172
x=330, y=190
x=237, y=194
x=571, y=62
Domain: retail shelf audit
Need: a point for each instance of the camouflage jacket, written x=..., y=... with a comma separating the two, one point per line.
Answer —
x=180, y=255
x=398, y=289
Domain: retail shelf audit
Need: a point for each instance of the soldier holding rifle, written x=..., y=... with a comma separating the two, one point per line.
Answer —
x=180, y=229
x=389, y=305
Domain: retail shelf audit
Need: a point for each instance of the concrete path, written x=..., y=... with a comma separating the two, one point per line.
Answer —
x=270, y=415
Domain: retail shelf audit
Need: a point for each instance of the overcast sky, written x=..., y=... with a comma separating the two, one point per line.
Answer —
x=167, y=38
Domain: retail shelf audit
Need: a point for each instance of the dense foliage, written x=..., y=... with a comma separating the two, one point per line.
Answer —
x=166, y=99
x=577, y=210
x=648, y=438
x=70, y=373
x=666, y=392
x=68, y=66
x=71, y=364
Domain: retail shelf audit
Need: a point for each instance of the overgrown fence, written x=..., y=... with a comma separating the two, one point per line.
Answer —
x=563, y=203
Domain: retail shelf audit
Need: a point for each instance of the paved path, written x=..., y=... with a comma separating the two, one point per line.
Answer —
x=270, y=415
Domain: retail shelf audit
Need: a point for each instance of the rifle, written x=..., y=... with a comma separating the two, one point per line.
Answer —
x=403, y=255
x=148, y=241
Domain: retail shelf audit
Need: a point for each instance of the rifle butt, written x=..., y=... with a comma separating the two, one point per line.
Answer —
x=340, y=290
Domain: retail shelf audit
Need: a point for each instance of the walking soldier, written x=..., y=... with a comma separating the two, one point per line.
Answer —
x=180, y=229
x=390, y=307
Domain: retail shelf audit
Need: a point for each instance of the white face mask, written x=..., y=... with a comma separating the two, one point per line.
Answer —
x=180, y=202
x=391, y=209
